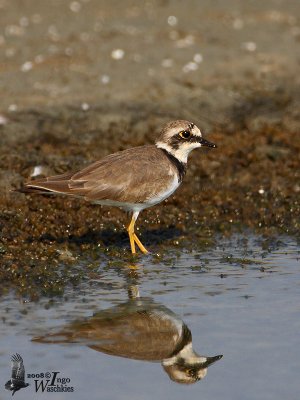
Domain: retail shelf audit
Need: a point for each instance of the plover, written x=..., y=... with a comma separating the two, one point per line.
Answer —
x=139, y=329
x=132, y=179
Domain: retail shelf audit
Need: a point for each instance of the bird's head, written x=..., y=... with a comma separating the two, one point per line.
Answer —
x=180, y=137
x=188, y=371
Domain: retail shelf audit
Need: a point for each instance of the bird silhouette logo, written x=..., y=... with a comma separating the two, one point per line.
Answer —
x=17, y=380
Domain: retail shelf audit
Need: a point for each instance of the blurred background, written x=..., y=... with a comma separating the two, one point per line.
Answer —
x=206, y=58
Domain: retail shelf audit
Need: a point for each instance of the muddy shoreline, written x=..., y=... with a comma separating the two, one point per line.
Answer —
x=250, y=182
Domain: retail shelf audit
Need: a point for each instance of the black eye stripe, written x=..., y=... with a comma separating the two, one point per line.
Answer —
x=178, y=139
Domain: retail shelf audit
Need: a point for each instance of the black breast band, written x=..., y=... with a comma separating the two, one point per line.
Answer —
x=180, y=166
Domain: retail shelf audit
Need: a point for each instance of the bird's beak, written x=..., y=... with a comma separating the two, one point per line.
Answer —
x=206, y=143
x=211, y=360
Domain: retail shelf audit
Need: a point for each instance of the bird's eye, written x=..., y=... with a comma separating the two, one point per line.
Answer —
x=185, y=134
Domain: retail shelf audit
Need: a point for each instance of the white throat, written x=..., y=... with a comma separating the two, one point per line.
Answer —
x=182, y=152
x=188, y=354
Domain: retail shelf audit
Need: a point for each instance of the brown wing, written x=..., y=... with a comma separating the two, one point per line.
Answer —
x=139, y=330
x=131, y=176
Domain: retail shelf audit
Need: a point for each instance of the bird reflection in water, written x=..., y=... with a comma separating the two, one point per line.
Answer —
x=139, y=329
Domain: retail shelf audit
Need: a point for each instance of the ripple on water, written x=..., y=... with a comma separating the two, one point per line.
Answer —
x=239, y=299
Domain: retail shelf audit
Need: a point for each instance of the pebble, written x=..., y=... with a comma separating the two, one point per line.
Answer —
x=75, y=6
x=249, y=46
x=172, y=20
x=198, y=58
x=85, y=106
x=190, y=66
x=3, y=120
x=105, y=79
x=117, y=54
x=27, y=66
x=12, y=107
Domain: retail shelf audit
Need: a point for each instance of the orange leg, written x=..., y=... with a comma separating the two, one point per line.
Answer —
x=133, y=237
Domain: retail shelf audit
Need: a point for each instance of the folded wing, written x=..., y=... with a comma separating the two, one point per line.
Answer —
x=127, y=176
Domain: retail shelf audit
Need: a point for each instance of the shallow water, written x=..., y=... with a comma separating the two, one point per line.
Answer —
x=239, y=299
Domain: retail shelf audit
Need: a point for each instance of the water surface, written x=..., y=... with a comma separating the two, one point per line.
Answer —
x=239, y=299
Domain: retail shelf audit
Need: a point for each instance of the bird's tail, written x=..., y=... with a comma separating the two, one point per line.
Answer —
x=52, y=184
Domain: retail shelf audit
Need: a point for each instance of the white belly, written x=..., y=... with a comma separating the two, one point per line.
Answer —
x=148, y=203
x=166, y=193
